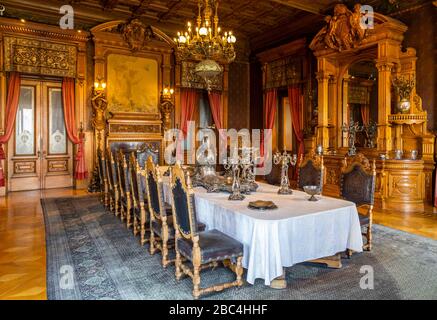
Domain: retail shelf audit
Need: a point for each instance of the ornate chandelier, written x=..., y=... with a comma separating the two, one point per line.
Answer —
x=206, y=41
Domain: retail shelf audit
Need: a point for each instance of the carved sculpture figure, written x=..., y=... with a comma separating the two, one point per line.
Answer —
x=136, y=34
x=343, y=30
x=99, y=104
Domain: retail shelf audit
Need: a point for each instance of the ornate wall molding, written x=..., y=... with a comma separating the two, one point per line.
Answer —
x=39, y=57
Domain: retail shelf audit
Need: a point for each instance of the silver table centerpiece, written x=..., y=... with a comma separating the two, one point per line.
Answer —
x=285, y=160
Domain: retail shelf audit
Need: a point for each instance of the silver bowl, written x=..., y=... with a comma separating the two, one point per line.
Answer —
x=312, y=191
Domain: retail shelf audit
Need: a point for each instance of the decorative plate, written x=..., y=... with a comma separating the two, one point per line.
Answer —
x=262, y=205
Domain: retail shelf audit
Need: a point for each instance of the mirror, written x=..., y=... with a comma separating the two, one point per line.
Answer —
x=360, y=105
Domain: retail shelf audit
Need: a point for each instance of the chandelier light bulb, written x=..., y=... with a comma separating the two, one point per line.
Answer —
x=182, y=39
x=203, y=31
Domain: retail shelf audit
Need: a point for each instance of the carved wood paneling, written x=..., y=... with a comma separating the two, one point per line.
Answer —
x=58, y=166
x=39, y=57
x=24, y=167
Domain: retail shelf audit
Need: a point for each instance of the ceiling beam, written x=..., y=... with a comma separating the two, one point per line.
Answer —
x=306, y=5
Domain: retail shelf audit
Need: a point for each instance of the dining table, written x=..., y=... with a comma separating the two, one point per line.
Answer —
x=296, y=231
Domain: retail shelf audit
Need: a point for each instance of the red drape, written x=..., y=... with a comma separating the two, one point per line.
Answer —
x=215, y=102
x=189, y=100
x=68, y=99
x=365, y=114
x=11, y=114
x=296, y=103
x=270, y=107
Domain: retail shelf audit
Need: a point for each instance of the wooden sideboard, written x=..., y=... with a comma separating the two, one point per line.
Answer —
x=401, y=185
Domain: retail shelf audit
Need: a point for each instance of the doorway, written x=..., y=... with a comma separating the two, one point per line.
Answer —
x=39, y=152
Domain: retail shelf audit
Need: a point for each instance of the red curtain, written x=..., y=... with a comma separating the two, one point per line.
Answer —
x=11, y=113
x=215, y=102
x=365, y=114
x=68, y=99
x=270, y=107
x=189, y=101
x=296, y=102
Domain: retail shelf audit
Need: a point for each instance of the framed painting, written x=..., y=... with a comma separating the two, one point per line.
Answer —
x=132, y=84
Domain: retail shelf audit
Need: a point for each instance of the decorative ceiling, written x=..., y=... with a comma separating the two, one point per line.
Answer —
x=259, y=21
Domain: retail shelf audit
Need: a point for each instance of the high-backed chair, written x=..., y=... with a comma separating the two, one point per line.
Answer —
x=114, y=193
x=358, y=185
x=310, y=171
x=103, y=178
x=139, y=203
x=161, y=221
x=202, y=249
x=125, y=190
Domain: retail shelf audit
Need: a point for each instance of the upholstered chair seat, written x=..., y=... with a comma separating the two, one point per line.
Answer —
x=214, y=246
x=364, y=220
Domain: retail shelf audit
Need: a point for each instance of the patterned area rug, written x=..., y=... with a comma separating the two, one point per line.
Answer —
x=91, y=255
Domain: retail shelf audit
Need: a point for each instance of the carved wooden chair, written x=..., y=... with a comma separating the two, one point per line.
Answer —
x=114, y=193
x=358, y=178
x=103, y=178
x=125, y=190
x=139, y=202
x=203, y=249
x=161, y=221
x=310, y=171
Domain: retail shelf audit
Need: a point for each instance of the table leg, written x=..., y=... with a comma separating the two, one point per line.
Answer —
x=279, y=283
x=333, y=262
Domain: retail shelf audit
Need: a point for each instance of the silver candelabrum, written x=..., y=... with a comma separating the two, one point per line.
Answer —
x=352, y=129
x=236, y=165
x=285, y=160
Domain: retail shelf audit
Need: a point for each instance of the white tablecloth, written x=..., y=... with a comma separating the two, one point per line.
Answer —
x=298, y=231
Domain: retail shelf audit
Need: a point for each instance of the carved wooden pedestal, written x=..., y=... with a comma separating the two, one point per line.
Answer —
x=401, y=185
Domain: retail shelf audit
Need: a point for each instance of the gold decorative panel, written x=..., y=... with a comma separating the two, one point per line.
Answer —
x=40, y=57
x=134, y=128
x=23, y=167
x=283, y=72
x=132, y=84
x=58, y=166
x=192, y=80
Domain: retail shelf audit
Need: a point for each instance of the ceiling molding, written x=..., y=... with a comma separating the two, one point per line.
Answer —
x=311, y=6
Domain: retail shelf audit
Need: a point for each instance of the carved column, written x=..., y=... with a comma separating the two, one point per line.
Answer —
x=332, y=112
x=323, y=91
x=345, y=111
x=384, y=105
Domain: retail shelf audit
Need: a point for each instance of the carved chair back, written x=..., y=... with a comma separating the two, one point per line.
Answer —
x=134, y=169
x=123, y=174
x=183, y=206
x=155, y=190
x=310, y=171
x=102, y=170
x=112, y=176
x=358, y=178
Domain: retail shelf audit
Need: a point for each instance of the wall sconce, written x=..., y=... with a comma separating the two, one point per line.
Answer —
x=99, y=85
x=167, y=93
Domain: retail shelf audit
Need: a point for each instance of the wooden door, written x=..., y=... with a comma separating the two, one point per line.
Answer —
x=39, y=153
